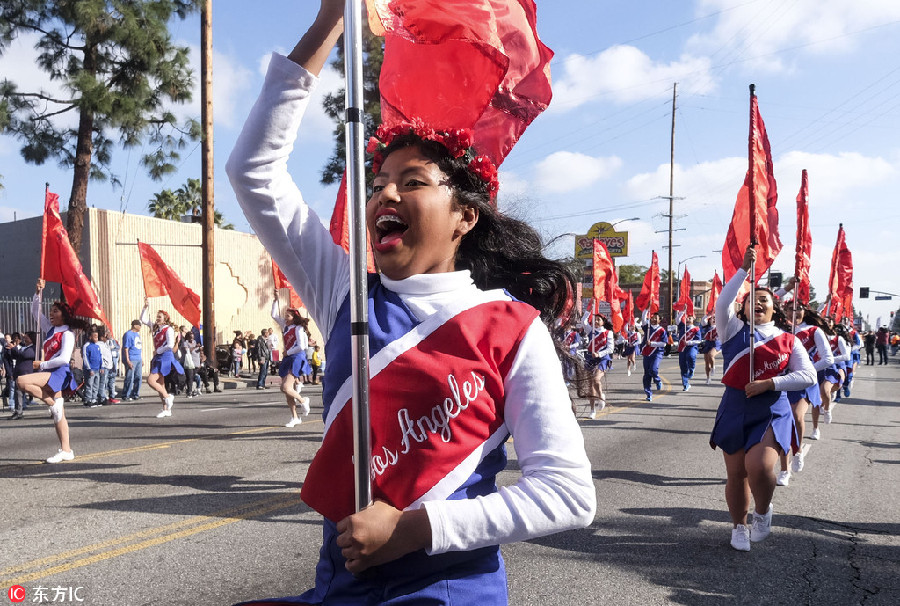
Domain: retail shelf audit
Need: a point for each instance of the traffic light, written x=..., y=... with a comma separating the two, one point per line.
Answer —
x=863, y=292
x=775, y=279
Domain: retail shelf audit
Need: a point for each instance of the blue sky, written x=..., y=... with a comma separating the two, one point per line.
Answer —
x=828, y=79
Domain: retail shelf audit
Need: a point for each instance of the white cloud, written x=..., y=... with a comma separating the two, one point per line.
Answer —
x=564, y=171
x=231, y=82
x=625, y=74
x=751, y=31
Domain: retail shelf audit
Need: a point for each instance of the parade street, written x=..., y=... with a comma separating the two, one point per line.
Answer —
x=203, y=507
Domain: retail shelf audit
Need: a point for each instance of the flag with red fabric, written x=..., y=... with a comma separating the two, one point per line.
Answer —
x=804, y=243
x=477, y=64
x=160, y=280
x=59, y=263
x=714, y=294
x=339, y=227
x=648, y=299
x=685, y=302
x=606, y=283
x=840, y=276
x=755, y=217
x=629, y=309
x=282, y=282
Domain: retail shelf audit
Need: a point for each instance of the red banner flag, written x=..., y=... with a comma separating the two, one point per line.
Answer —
x=629, y=309
x=840, y=277
x=649, y=296
x=685, y=301
x=714, y=294
x=160, y=280
x=477, y=64
x=59, y=263
x=340, y=228
x=282, y=282
x=603, y=270
x=804, y=243
x=755, y=216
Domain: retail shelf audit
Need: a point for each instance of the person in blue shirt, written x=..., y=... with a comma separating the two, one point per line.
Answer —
x=93, y=362
x=131, y=357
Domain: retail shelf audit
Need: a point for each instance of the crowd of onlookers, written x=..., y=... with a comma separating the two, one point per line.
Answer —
x=97, y=361
x=878, y=341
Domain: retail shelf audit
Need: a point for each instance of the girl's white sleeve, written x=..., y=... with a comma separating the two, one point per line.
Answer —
x=145, y=317
x=289, y=230
x=276, y=315
x=801, y=375
x=64, y=355
x=826, y=358
x=845, y=351
x=555, y=491
x=39, y=315
x=169, y=345
x=726, y=318
x=610, y=345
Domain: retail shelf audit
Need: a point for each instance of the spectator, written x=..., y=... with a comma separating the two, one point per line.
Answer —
x=869, y=343
x=264, y=356
x=93, y=363
x=131, y=356
x=881, y=344
x=23, y=356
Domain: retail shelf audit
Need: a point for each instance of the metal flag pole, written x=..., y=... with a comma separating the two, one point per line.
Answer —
x=359, y=316
x=752, y=199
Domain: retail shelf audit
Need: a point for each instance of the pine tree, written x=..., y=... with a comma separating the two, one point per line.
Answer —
x=373, y=56
x=118, y=71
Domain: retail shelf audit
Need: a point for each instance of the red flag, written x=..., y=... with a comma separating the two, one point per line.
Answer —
x=840, y=277
x=477, y=64
x=282, y=282
x=604, y=271
x=685, y=301
x=649, y=297
x=340, y=228
x=59, y=263
x=804, y=243
x=160, y=280
x=629, y=309
x=754, y=211
x=714, y=294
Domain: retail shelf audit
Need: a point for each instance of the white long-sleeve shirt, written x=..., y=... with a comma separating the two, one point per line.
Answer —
x=844, y=350
x=555, y=491
x=67, y=345
x=301, y=340
x=823, y=347
x=169, y=345
x=801, y=373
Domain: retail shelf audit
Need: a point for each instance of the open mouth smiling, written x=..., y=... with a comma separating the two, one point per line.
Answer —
x=389, y=229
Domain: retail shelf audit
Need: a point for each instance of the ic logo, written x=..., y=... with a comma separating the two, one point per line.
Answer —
x=16, y=594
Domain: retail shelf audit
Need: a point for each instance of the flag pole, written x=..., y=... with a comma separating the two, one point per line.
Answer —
x=753, y=241
x=359, y=321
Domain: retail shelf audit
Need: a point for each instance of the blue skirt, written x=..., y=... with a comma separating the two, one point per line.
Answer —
x=164, y=364
x=741, y=422
x=296, y=365
x=592, y=364
x=812, y=394
x=61, y=379
x=453, y=578
x=832, y=375
x=629, y=349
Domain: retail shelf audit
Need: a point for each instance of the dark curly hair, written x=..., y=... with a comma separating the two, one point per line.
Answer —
x=69, y=317
x=500, y=251
x=778, y=315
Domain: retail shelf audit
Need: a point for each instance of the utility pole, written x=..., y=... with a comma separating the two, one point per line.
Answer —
x=209, y=225
x=671, y=199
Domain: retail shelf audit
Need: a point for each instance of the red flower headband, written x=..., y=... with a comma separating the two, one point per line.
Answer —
x=458, y=142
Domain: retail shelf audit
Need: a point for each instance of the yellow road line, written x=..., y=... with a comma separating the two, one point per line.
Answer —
x=261, y=507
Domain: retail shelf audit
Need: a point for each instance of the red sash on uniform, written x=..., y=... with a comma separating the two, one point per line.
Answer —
x=52, y=345
x=290, y=337
x=433, y=406
x=712, y=334
x=770, y=359
x=658, y=335
x=807, y=338
x=160, y=337
x=689, y=335
x=599, y=341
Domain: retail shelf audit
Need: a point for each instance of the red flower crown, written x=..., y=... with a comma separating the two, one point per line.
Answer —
x=458, y=142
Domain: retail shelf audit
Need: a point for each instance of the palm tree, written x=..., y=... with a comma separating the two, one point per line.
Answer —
x=166, y=205
x=186, y=200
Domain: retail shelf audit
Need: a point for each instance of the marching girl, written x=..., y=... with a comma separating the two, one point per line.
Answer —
x=163, y=361
x=598, y=359
x=459, y=362
x=295, y=363
x=652, y=348
x=810, y=331
x=754, y=423
x=710, y=346
x=836, y=378
x=632, y=340
x=53, y=375
x=689, y=338
x=855, y=342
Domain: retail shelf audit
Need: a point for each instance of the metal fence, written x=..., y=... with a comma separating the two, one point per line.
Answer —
x=15, y=314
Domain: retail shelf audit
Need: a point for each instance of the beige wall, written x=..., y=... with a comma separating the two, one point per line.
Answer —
x=243, y=270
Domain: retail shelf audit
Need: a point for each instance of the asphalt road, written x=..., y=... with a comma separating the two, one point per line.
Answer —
x=203, y=507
